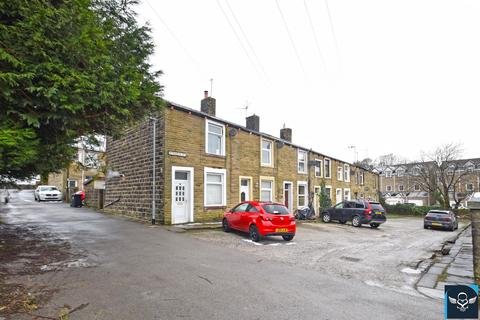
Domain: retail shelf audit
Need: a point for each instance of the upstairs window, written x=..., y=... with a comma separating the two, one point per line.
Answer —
x=388, y=174
x=346, y=173
x=389, y=188
x=416, y=187
x=400, y=172
x=339, y=173
x=215, y=138
x=302, y=161
x=318, y=168
x=327, y=168
x=401, y=188
x=267, y=154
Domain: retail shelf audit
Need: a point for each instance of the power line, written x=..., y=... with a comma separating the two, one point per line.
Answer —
x=315, y=35
x=246, y=38
x=332, y=28
x=290, y=37
x=238, y=37
x=173, y=35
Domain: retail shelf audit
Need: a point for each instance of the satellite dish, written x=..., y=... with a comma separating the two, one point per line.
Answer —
x=233, y=132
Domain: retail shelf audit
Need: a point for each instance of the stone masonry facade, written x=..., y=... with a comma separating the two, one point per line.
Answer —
x=181, y=142
x=129, y=189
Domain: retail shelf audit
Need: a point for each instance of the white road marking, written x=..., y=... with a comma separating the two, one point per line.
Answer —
x=27, y=200
x=411, y=271
x=253, y=242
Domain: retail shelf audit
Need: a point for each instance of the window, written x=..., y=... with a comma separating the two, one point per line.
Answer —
x=389, y=188
x=302, y=161
x=267, y=154
x=215, y=190
x=469, y=186
x=327, y=168
x=339, y=173
x=388, y=173
x=328, y=191
x=400, y=187
x=362, y=178
x=416, y=171
x=302, y=194
x=91, y=159
x=318, y=168
x=346, y=194
x=266, y=190
x=215, y=138
x=450, y=172
x=400, y=172
x=346, y=173
x=416, y=187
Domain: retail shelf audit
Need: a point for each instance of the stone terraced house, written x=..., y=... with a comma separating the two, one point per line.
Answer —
x=204, y=165
x=401, y=183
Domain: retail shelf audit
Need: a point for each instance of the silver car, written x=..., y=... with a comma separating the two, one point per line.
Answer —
x=47, y=193
x=444, y=219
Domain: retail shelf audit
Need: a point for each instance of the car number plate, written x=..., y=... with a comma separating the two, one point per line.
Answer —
x=436, y=224
x=378, y=212
x=281, y=230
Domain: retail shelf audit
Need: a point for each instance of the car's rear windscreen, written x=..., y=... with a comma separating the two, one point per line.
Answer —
x=438, y=212
x=275, y=209
x=376, y=206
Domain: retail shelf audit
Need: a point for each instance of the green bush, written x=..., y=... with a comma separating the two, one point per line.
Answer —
x=408, y=209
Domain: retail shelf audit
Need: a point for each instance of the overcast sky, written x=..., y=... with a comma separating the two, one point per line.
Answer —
x=385, y=76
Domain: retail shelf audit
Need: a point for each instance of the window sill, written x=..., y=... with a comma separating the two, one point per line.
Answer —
x=266, y=165
x=215, y=155
x=305, y=173
x=214, y=207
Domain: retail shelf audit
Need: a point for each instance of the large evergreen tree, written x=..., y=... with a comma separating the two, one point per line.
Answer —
x=69, y=68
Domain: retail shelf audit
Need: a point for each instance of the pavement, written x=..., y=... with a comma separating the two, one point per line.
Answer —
x=120, y=269
x=454, y=268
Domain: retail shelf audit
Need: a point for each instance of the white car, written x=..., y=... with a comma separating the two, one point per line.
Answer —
x=45, y=193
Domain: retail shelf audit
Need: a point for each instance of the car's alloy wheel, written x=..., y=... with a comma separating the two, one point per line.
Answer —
x=254, y=234
x=225, y=225
x=356, y=221
x=326, y=217
x=288, y=237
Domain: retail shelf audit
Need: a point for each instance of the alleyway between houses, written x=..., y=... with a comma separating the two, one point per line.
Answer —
x=114, y=268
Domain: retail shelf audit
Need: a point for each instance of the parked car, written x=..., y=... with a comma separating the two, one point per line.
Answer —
x=358, y=212
x=46, y=193
x=444, y=219
x=261, y=219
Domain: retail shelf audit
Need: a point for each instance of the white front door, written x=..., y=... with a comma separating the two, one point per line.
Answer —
x=244, y=190
x=181, y=196
x=339, y=196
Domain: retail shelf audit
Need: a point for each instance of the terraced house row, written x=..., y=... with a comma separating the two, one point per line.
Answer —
x=204, y=165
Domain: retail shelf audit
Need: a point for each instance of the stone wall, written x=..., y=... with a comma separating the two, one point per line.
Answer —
x=131, y=156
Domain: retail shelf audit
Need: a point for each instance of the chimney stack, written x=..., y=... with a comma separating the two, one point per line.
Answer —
x=286, y=134
x=208, y=104
x=253, y=123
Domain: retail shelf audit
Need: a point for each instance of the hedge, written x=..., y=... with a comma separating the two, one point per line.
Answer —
x=406, y=209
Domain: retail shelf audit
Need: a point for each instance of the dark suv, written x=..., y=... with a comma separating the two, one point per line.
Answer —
x=357, y=211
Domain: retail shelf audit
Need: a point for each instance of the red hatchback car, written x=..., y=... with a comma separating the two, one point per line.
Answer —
x=261, y=219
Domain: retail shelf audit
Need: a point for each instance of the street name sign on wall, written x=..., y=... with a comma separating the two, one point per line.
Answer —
x=177, y=154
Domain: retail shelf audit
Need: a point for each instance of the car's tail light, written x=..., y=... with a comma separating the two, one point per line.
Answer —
x=446, y=219
x=292, y=218
x=368, y=212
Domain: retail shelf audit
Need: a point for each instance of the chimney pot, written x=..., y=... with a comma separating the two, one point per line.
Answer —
x=205, y=93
